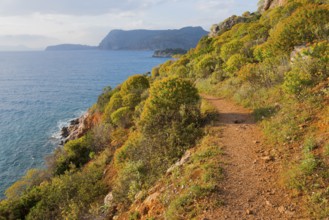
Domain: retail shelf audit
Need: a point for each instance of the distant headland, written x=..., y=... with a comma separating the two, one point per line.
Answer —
x=184, y=38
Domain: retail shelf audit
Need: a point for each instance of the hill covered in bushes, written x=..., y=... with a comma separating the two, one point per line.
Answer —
x=274, y=61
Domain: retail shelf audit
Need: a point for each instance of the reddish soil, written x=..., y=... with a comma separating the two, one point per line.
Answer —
x=250, y=187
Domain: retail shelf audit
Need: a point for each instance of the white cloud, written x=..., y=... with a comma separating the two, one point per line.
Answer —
x=88, y=21
x=73, y=7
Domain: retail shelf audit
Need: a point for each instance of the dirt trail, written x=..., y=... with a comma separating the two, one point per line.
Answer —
x=250, y=188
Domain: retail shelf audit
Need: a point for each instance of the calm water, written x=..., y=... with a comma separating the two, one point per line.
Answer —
x=40, y=91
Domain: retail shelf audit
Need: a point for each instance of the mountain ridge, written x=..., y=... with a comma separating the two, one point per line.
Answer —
x=142, y=39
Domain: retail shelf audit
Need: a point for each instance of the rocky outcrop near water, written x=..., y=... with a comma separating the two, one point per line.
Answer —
x=76, y=129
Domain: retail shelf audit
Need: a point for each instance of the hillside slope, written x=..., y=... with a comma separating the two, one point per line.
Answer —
x=155, y=150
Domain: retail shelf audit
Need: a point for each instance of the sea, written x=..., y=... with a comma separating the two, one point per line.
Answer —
x=41, y=91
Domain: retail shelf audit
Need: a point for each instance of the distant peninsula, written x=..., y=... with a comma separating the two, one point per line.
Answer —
x=70, y=47
x=169, y=52
x=185, y=38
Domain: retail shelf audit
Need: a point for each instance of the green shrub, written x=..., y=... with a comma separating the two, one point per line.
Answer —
x=122, y=117
x=129, y=181
x=306, y=24
x=75, y=153
x=235, y=62
x=172, y=109
x=114, y=104
x=104, y=98
x=134, y=85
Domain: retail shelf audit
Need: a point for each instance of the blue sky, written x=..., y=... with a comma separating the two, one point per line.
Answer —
x=34, y=24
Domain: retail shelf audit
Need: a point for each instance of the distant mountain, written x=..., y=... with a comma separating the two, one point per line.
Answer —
x=184, y=38
x=70, y=47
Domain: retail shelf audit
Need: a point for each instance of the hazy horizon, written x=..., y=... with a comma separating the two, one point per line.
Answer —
x=36, y=24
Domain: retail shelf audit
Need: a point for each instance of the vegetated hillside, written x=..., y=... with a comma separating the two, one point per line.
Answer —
x=184, y=38
x=274, y=62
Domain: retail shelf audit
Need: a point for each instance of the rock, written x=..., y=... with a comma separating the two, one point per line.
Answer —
x=297, y=52
x=249, y=212
x=226, y=25
x=108, y=200
x=268, y=203
x=290, y=212
x=182, y=161
x=282, y=209
x=139, y=195
x=65, y=132
x=77, y=128
x=74, y=121
x=256, y=142
x=267, y=159
x=267, y=5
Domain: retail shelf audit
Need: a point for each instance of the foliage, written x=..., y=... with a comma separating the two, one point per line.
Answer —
x=306, y=24
x=74, y=154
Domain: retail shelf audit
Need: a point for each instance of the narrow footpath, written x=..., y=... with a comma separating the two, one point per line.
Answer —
x=250, y=187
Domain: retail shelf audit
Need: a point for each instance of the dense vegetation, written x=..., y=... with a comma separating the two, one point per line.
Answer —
x=275, y=62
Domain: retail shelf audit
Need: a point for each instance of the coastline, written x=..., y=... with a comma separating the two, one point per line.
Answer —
x=77, y=128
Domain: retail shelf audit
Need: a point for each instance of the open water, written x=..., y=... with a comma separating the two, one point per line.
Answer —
x=41, y=91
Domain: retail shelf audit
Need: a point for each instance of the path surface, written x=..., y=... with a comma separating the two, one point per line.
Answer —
x=250, y=188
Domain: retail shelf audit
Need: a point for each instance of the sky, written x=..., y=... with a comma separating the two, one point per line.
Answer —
x=35, y=24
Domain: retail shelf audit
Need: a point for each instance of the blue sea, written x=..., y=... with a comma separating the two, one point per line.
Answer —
x=41, y=91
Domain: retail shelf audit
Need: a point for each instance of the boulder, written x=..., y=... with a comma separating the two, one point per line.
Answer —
x=226, y=25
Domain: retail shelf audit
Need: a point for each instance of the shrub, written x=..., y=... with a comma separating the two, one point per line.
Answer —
x=206, y=66
x=235, y=62
x=172, y=114
x=306, y=24
x=129, y=181
x=155, y=72
x=134, y=85
x=230, y=48
x=104, y=98
x=114, y=104
x=122, y=117
x=75, y=153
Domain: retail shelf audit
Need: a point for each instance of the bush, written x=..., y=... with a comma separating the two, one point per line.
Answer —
x=306, y=24
x=75, y=153
x=206, y=66
x=122, y=117
x=129, y=181
x=104, y=98
x=172, y=113
x=235, y=62
x=134, y=85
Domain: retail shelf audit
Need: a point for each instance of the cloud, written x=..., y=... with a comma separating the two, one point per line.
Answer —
x=38, y=23
x=73, y=7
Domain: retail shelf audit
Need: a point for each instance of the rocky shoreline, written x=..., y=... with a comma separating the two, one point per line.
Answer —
x=76, y=129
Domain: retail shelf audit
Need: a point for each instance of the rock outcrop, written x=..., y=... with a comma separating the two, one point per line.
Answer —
x=77, y=128
x=226, y=25
x=268, y=4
